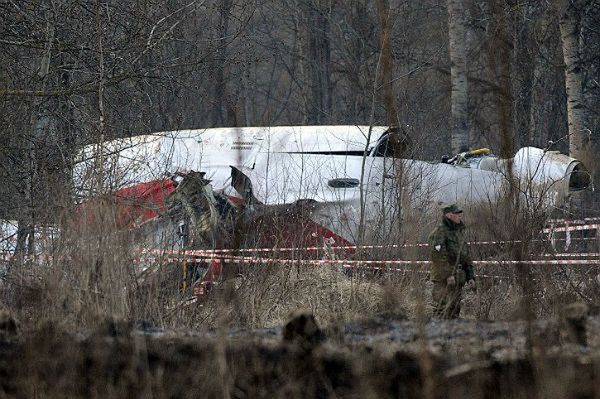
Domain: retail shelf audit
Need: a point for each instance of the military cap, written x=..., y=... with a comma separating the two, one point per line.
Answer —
x=451, y=209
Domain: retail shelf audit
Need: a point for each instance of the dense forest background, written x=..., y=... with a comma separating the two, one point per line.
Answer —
x=77, y=72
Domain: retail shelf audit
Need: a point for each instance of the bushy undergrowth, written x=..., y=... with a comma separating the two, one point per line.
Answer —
x=94, y=271
x=262, y=296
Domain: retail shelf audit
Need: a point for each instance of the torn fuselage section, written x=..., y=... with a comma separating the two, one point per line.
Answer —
x=204, y=218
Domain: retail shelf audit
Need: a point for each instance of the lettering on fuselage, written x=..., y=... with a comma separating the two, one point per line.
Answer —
x=242, y=145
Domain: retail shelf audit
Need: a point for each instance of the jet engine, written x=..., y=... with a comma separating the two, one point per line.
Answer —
x=542, y=170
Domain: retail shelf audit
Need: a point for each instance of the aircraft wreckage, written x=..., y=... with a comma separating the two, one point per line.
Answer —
x=304, y=184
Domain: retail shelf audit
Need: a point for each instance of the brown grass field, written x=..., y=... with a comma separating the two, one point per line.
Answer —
x=82, y=323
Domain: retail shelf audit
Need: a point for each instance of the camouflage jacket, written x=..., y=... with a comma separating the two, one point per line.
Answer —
x=449, y=253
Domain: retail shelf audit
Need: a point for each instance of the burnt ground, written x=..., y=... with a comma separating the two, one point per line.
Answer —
x=383, y=356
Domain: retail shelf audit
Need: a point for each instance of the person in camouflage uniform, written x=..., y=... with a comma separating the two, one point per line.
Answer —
x=451, y=263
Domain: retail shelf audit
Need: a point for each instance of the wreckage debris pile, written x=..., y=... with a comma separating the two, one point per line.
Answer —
x=301, y=360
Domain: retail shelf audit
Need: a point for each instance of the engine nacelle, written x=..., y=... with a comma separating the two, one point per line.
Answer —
x=549, y=168
x=549, y=173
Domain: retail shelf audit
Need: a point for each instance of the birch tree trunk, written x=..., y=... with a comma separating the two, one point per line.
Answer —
x=570, y=25
x=458, y=72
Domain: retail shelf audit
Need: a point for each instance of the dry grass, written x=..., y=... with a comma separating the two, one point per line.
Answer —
x=265, y=295
x=92, y=276
x=93, y=273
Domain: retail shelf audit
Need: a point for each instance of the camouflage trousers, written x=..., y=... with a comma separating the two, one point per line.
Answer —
x=446, y=300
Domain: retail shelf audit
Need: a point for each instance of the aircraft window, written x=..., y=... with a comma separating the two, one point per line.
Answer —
x=384, y=148
x=343, y=183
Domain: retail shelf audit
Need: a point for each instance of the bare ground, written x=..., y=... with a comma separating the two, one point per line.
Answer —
x=383, y=356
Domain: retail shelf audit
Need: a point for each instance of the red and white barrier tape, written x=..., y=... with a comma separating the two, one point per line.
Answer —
x=572, y=255
x=195, y=258
x=370, y=265
x=573, y=221
x=348, y=263
x=210, y=252
x=8, y=257
x=570, y=228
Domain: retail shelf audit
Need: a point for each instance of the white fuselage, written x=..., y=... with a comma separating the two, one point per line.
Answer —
x=291, y=163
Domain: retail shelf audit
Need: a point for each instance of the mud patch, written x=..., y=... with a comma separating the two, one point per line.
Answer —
x=382, y=357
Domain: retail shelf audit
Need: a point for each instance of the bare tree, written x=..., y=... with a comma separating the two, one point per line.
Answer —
x=571, y=12
x=499, y=52
x=458, y=70
x=387, y=67
x=314, y=52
